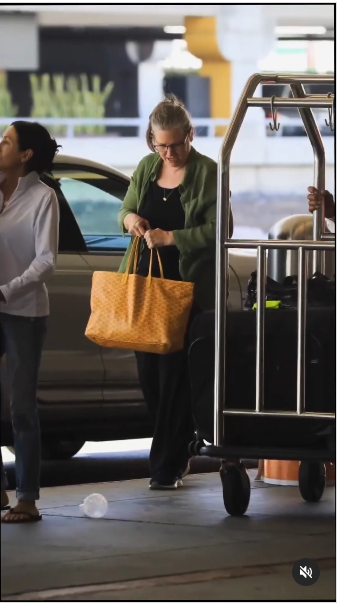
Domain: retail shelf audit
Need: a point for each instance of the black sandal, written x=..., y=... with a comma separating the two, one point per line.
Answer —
x=26, y=517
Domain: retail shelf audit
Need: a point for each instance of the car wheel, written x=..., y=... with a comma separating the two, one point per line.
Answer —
x=58, y=450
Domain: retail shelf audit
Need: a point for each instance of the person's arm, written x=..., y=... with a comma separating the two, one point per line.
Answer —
x=129, y=205
x=199, y=237
x=204, y=235
x=46, y=234
x=315, y=200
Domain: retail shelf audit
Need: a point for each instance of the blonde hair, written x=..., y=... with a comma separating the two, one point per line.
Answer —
x=168, y=114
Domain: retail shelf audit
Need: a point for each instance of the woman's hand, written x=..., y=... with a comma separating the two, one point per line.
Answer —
x=316, y=198
x=158, y=238
x=135, y=225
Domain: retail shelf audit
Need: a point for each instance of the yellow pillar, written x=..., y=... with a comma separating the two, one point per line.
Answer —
x=202, y=42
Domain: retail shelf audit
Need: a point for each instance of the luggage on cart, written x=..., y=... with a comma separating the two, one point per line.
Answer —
x=321, y=291
x=280, y=377
x=273, y=393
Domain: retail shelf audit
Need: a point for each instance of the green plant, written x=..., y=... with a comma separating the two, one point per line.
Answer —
x=7, y=109
x=71, y=96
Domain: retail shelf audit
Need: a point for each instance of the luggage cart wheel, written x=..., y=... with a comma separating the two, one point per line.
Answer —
x=236, y=487
x=311, y=480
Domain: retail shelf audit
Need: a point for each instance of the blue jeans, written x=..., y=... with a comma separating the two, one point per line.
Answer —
x=22, y=341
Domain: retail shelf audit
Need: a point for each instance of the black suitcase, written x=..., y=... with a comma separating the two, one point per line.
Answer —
x=280, y=378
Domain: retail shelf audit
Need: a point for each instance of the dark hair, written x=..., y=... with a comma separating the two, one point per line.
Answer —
x=168, y=114
x=31, y=135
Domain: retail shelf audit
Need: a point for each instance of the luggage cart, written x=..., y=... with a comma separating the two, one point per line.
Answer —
x=234, y=478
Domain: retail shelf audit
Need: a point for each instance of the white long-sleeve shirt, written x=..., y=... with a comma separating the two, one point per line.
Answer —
x=29, y=230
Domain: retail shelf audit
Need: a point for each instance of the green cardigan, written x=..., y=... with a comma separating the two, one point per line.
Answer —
x=196, y=242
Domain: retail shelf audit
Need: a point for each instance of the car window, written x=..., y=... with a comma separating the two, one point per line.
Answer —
x=70, y=237
x=95, y=200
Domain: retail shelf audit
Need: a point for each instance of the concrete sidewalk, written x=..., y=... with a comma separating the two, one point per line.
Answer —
x=170, y=546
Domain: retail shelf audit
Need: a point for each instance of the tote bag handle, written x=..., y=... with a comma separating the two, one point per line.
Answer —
x=134, y=257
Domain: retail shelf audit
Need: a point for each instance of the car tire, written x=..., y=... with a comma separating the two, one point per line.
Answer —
x=58, y=450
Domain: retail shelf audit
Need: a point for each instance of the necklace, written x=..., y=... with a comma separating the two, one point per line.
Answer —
x=166, y=197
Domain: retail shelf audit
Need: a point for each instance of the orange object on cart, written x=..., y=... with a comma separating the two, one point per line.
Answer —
x=285, y=473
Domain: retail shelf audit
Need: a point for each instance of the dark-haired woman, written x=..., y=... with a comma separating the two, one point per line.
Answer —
x=29, y=222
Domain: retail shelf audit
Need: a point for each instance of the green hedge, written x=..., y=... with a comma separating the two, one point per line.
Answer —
x=7, y=109
x=60, y=96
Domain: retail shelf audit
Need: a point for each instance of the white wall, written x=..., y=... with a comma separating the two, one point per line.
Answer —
x=19, y=42
x=165, y=14
x=269, y=165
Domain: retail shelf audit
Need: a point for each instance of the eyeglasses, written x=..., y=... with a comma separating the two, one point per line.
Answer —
x=163, y=148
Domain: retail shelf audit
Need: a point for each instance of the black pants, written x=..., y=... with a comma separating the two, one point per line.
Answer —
x=165, y=382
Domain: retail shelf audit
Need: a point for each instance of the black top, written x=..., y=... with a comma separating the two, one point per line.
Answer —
x=167, y=215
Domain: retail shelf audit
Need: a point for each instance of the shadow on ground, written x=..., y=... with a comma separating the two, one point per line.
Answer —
x=105, y=467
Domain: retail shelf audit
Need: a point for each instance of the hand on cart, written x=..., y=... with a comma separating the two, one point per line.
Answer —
x=316, y=198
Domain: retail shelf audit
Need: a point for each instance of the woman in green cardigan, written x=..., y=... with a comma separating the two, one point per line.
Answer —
x=171, y=204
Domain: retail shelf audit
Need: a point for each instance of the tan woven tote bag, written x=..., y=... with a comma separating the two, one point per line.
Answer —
x=144, y=314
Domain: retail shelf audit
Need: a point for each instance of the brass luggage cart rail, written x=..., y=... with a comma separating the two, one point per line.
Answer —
x=321, y=242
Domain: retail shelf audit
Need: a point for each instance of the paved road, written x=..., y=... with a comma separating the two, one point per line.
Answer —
x=170, y=546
